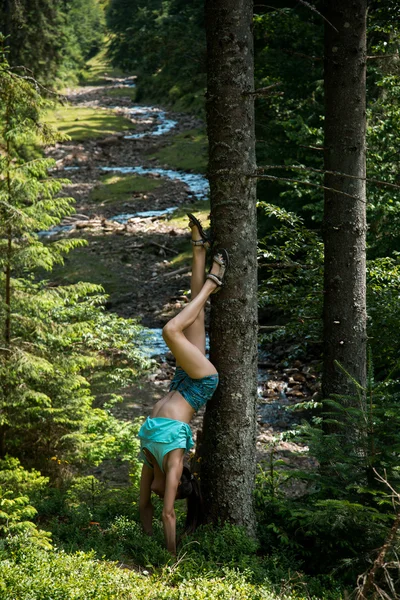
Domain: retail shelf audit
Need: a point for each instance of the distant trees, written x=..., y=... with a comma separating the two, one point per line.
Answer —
x=228, y=450
x=51, y=38
x=164, y=44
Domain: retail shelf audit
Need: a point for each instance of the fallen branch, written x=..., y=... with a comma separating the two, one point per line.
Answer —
x=164, y=247
x=178, y=271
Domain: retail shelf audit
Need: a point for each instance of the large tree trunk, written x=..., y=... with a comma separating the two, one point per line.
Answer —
x=228, y=450
x=345, y=334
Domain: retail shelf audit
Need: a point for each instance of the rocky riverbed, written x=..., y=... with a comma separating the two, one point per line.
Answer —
x=139, y=250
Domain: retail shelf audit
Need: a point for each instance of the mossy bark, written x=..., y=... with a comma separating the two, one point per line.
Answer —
x=228, y=445
x=344, y=227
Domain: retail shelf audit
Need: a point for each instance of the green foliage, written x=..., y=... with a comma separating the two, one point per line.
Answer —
x=344, y=512
x=55, y=340
x=383, y=277
x=164, y=43
x=290, y=259
x=17, y=488
x=56, y=574
x=103, y=436
x=291, y=268
x=14, y=477
x=51, y=39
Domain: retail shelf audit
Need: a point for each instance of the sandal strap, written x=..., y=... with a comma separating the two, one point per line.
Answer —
x=215, y=278
x=198, y=242
x=219, y=261
x=194, y=222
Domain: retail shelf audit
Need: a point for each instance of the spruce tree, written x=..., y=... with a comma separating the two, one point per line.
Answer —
x=53, y=339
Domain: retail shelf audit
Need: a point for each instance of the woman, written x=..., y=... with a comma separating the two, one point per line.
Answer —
x=165, y=437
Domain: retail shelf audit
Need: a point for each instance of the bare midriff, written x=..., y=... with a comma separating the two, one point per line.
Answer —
x=173, y=406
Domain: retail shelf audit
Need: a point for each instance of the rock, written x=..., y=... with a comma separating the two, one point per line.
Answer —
x=299, y=377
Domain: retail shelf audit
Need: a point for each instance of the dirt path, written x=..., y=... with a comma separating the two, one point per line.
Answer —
x=144, y=264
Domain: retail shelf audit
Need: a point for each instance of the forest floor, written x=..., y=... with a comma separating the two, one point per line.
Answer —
x=143, y=262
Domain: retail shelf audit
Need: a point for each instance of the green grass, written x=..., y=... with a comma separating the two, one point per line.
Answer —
x=180, y=221
x=115, y=188
x=98, y=67
x=123, y=92
x=82, y=123
x=201, y=210
x=188, y=151
x=84, y=265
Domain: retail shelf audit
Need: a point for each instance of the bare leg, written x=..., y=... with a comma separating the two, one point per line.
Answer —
x=187, y=354
x=196, y=333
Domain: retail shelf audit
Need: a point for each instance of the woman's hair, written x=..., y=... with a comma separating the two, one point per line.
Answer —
x=190, y=489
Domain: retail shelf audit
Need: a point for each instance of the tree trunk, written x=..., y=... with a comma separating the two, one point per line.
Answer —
x=344, y=316
x=7, y=327
x=228, y=450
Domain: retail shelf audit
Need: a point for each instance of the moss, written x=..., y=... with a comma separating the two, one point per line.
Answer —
x=188, y=151
x=82, y=123
x=115, y=188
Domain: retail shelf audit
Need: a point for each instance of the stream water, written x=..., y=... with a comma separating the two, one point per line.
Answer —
x=159, y=124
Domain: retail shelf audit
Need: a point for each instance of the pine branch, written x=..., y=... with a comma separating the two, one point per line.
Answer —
x=318, y=13
x=369, y=579
x=265, y=91
x=310, y=184
x=323, y=171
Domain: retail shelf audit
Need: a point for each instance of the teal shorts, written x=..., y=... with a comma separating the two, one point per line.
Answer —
x=159, y=436
x=195, y=391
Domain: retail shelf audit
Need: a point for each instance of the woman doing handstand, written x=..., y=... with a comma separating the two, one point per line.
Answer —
x=165, y=437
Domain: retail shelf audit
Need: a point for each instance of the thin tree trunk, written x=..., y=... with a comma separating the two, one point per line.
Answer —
x=7, y=327
x=228, y=449
x=344, y=317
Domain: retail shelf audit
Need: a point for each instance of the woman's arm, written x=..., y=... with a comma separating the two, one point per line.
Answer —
x=145, y=506
x=173, y=476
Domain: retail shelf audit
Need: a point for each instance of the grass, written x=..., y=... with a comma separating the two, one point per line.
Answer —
x=122, y=92
x=201, y=210
x=98, y=67
x=188, y=151
x=115, y=188
x=180, y=220
x=82, y=123
x=84, y=264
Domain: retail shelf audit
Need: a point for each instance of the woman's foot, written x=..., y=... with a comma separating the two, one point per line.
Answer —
x=218, y=269
x=199, y=236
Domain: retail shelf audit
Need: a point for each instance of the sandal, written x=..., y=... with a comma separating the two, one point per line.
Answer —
x=221, y=258
x=205, y=240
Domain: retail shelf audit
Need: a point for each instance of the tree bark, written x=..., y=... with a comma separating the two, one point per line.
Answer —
x=344, y=227
x=228, y=449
